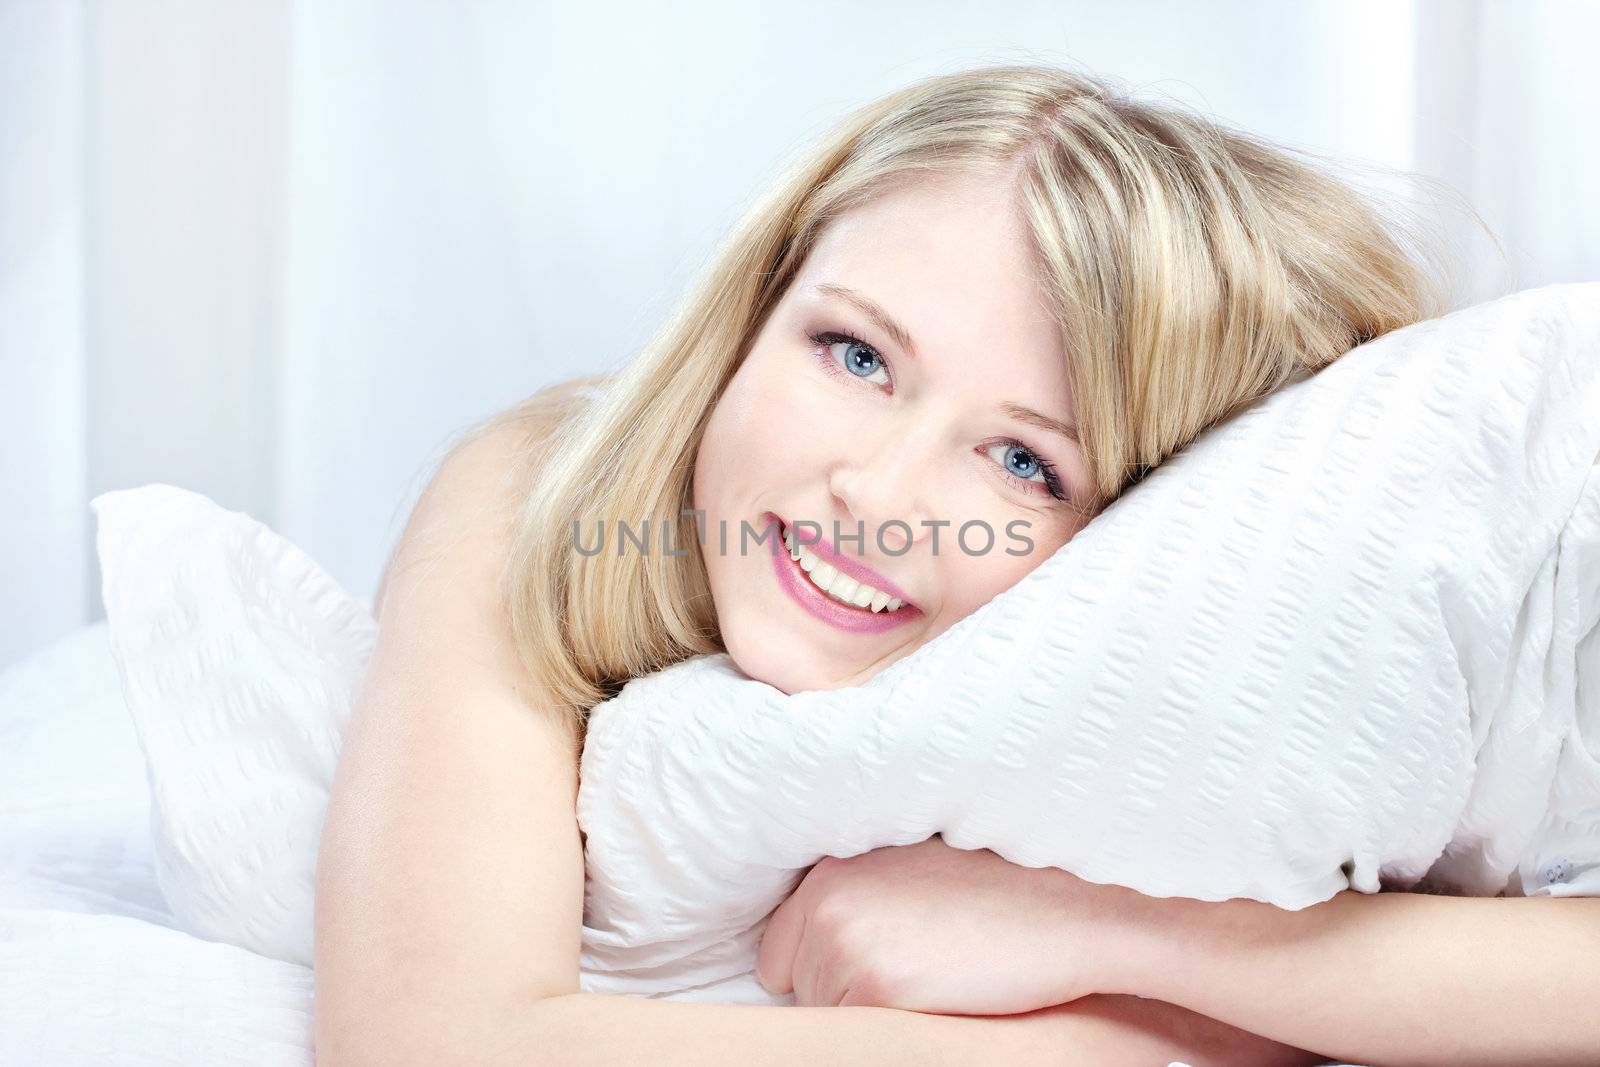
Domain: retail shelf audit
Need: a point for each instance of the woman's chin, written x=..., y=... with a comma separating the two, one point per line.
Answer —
x=771, y=659
x=768, y=663
x=782, y=676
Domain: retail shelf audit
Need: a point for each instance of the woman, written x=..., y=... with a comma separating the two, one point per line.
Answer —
x=996, y=296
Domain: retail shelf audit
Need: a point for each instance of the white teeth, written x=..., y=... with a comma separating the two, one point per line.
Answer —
x=836, y=584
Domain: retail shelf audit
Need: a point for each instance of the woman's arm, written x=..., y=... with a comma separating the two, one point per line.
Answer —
x=1394, y=978
x=449, y=871
x=1371, y=978
x=1103, y=1030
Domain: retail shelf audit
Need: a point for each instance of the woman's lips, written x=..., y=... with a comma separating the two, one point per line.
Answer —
x=846, y=617
x=854, y=568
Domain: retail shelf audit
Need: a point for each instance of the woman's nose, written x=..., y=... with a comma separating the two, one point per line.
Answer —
x=883, y=487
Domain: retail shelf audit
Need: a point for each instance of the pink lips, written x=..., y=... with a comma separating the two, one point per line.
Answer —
x=843, y=616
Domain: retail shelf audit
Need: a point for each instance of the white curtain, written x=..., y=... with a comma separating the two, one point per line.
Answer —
x=280, y=253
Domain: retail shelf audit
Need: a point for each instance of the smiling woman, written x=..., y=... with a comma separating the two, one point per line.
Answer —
x=982, y=307
x=943, y=341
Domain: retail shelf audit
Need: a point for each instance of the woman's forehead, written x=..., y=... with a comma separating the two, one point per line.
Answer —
x=963, y=307
x=959, y=245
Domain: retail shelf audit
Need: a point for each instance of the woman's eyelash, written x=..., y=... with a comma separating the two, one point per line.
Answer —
x=825, y=338
x=1052, y=480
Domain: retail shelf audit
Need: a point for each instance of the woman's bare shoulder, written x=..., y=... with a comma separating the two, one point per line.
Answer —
x=489, y=466
x=545, y=409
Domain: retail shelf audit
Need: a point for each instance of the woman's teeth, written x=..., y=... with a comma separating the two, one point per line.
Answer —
x=839, y=586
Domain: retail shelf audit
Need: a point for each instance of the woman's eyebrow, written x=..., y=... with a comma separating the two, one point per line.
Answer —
x=1044, y=422
x=868, y=307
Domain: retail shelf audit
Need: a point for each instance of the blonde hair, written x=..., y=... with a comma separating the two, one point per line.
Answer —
x=1193, y=269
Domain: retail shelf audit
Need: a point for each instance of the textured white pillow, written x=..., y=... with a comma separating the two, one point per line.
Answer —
x=1349, y=634
x=239, y=660
x=1350, y=639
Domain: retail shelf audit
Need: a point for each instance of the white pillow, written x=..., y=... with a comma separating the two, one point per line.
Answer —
x=240, y=660
x=1328, y=643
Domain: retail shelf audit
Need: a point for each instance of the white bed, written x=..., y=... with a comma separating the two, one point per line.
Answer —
x=92, y=970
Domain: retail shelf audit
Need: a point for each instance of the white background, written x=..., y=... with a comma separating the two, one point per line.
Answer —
x=281, y=253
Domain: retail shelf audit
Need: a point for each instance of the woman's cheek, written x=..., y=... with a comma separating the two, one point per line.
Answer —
x=806, y=417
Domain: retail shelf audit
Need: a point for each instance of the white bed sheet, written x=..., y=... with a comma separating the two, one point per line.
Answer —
x=82, y=989
x=92, y=971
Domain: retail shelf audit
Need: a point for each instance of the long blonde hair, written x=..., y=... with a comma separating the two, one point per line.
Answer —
x=1193, y=269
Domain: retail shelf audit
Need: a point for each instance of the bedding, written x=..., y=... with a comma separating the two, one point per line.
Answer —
x=1345, y=640
x=74, y=806
x=86, y=990
x=240, y=659
x=93, y=969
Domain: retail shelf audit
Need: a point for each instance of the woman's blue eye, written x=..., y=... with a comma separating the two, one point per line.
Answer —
x=855, y=356
x=1021, y=462
x=1018, y=462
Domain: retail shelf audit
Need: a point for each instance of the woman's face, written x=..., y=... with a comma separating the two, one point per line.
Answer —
x=915, y=435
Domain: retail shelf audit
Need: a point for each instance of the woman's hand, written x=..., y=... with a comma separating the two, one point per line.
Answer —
x=932, y=928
